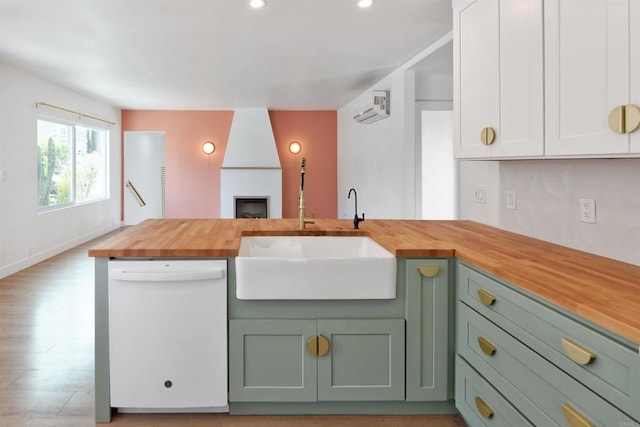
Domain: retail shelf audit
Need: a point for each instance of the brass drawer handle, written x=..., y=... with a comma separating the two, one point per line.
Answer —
x=485, y=297
x=484, y=409
x=429, y=270
x=312, y=345
x=486, y=347
x=577, y=353
x=323, y=346
x=575, y=418
x=487, y=136
x=318, y=345
x=624, y=118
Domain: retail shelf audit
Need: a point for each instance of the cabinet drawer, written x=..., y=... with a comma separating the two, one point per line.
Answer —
x=600, y=363
x=533, y=385
x=480, y=404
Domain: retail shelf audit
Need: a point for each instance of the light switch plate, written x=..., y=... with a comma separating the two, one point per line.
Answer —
x=510, y=203
x=479, y=195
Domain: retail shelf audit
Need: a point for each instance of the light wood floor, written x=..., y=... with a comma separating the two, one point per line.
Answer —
x=47, y=359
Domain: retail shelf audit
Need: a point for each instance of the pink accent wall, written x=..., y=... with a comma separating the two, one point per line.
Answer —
x=193, y=178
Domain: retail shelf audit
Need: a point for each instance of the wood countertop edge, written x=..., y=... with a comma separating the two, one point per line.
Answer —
x=493, y=260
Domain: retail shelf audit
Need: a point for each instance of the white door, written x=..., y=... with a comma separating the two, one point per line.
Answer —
x=143, y=176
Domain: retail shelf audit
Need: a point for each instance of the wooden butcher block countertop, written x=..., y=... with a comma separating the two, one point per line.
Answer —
x=601, y=290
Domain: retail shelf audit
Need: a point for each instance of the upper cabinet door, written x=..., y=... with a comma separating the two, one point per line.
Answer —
x=634, y=22
x=586, y=75
x=498, y=74
x=476, y=75
x=521, y=130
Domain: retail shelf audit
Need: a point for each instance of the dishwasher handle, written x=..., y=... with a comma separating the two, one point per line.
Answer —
x=183, y=276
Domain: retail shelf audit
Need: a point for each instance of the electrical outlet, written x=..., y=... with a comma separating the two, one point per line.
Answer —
x=511, y=199
x=479, y=195
x=588, y=210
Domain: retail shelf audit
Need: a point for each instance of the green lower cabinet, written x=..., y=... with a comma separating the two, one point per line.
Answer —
x=268, y=361
x=429, y=353
x=275, y=360
x=365, y=361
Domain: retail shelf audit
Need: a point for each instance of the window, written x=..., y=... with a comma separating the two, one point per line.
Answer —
x=72, y=164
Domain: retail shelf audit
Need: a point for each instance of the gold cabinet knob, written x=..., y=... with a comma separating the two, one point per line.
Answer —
x=487, y=135
x=624, y=119
x=576, y=352
x=323, y=346
x=486, y=346
x=318, y=345
x=485, y=297
x=575, y=418
x=484, y=409
x=312, y=345
x=429, y=270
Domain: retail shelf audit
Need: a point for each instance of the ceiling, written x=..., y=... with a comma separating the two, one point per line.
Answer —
x=217, y=54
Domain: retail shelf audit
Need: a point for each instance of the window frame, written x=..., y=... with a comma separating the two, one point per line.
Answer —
x=73, y=165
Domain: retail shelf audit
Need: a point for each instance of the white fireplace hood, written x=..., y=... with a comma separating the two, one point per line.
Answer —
x=251, y=166
x=251, y=143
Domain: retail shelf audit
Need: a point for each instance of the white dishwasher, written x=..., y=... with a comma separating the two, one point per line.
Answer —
x=168, y=335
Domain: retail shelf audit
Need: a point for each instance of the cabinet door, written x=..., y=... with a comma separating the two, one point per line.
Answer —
x=427, y=348
x=634, y=22
x=586, y=75
x=476, y=75
x=365, y=360
x=268, y=361
x=521, y=131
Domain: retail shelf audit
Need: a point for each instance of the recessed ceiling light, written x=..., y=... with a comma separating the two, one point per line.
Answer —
x=365, y=3
x=257, y=4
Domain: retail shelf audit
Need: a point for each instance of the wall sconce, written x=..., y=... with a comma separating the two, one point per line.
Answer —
x=295, y=147
x=208, y=148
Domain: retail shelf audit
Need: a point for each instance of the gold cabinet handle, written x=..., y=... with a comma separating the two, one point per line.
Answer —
x=318, y=345
x=485, y=297
x=429, y=270
x=486, y=347
x=577, y=353
x=575, y=418
x=323, y=346
x=631, y=118
x=624, y=118
x=487, y=135
x=484, y=409
x=312, y=345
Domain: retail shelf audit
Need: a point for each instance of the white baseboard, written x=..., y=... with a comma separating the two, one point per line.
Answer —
x=41, y=256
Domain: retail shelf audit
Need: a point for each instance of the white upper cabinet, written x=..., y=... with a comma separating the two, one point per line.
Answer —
x=588, y=46
x=634, y=30
x=498, y=78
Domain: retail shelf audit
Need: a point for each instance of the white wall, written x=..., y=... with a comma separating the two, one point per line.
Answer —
x=547, y=193
x=27, y=237
x=380, y=160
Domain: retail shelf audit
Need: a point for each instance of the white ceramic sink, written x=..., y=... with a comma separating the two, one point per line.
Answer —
x=314, y=268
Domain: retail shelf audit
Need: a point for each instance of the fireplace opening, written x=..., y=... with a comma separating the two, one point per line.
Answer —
x=251, y=207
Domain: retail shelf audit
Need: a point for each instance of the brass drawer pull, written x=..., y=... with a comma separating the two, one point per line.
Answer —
x=485, y=297
x=323, y=346
x=312, y=345
x=484, y=409
x=486, y=347
x=577, y=353
x=575, y=418
x=624, y=118
x=487, y=136
x=429, y=270
x=318, y=345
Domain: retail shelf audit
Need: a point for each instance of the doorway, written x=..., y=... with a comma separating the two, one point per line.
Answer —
x=144, y=176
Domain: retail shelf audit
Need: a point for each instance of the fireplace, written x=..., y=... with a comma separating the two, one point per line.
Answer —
x=251, y=207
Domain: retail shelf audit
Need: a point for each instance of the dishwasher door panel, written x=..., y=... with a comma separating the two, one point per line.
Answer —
x=168, y=334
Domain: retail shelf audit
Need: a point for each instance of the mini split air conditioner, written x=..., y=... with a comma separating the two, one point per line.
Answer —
x=377, y=110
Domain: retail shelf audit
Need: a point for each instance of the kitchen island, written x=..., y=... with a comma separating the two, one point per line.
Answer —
x=599, y=293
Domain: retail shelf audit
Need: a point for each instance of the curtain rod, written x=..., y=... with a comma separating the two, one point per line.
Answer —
x=45, y=104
